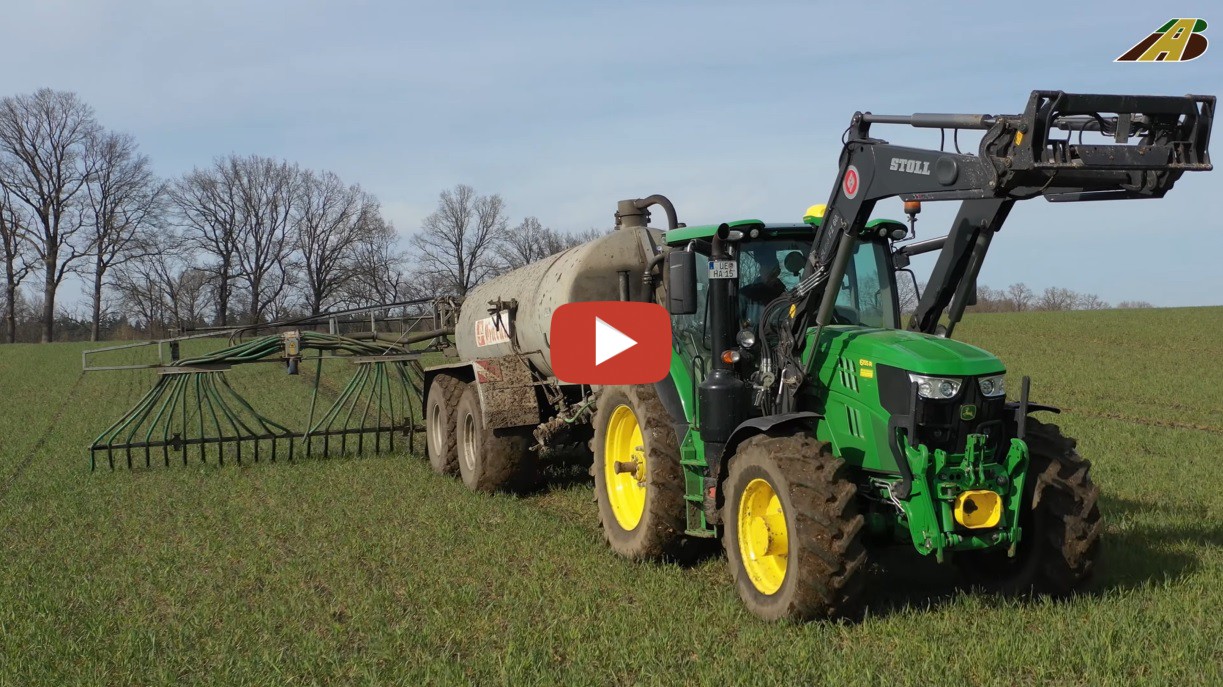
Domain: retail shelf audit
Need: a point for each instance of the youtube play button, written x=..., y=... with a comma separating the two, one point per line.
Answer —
x=610, y=342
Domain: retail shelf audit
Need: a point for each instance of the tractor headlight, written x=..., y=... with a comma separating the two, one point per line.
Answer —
x=993, y=386
x=746, y=339
x=936, y=388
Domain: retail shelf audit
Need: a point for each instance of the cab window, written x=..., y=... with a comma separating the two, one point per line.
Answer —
x=771, y=267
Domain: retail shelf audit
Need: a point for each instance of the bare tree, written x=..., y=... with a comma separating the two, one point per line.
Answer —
x=43, y=138
x=909, y=293
x=162, y=286
x=239, y=212
x=14, y=250
x=526, y=243
x=268, y=189
x=531, y=241
x=1056, y=298
x=209, y=206
x=1090, y=301
x=141, y=291
x=188, y=297
x=1130, y=305
x=1019, y=296
x=333, y=220
x=125, y=203
x=380, y=273
x=458, y=241
x=990, y=300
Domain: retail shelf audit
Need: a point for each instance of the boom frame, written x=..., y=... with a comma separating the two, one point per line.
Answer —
x=1019, y=157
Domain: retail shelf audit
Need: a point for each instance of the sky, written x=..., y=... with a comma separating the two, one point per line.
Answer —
x=731, y=109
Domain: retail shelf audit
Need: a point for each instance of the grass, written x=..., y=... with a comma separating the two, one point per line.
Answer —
x=375, y=570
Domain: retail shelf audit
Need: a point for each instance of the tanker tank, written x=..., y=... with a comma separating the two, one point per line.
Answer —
x=589, y=272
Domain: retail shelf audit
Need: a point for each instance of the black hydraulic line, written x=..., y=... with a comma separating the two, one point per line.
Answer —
x=1021, y=418
x=647, y=277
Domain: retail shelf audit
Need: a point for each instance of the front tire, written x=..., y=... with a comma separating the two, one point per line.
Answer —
x=491, y=459
x=639, y=482
x=1061, y=525
x=793, y=531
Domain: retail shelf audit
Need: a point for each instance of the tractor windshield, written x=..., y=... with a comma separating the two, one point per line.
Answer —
x=767, y=268
x=770, y=267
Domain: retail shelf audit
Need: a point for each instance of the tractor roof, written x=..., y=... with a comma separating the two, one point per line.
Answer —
x=705, y=231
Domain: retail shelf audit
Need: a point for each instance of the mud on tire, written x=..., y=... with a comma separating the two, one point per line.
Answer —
x=492, y=459
x=441, y=436
x=1061, y=524
x=826, y=561
x=660, y=532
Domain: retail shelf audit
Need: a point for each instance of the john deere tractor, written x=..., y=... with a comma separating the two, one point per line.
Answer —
x=803, y=422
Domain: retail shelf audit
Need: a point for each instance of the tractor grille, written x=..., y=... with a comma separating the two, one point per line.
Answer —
x=940, y=424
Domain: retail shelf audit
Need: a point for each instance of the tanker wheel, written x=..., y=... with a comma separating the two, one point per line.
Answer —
x=1060, y=522
x=441, y=438
x=491, y=459
x=639, y=483
x=793, y=531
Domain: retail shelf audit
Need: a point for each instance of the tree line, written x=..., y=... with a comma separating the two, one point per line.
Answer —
x=1020, y=298
x=246, y=239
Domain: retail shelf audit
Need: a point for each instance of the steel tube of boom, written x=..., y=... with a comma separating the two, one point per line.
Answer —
x=832, y=287
x=929, y=120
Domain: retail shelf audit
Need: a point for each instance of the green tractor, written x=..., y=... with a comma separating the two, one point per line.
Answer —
x=802, y=421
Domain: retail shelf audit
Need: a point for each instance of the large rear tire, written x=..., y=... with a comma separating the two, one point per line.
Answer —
x=639, y=482
x=491, y=459
x=441, y=437
x=1061, y=525
x=792, y=529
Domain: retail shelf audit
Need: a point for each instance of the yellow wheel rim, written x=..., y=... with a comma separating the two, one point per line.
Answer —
x=764, y=543
x=624, y=468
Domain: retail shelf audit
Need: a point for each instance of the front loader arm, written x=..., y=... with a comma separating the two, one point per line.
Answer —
x=1019, y=157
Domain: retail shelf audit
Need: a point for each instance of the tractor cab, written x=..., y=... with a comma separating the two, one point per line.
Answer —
x=768, y=261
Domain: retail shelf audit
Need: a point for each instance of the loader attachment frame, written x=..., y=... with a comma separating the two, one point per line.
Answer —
x=1019, y=157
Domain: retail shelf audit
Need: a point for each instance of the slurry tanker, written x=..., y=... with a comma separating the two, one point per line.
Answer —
x=804, y=421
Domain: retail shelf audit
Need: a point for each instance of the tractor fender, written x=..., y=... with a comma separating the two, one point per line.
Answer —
x=751, y=428
x=764, y=425
x=669, y=396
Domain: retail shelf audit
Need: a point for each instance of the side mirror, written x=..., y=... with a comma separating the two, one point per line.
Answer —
x=681, y=282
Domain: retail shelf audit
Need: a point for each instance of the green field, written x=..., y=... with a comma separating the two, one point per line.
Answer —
x=375, y=570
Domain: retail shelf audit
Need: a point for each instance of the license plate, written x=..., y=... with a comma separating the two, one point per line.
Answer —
x=723, y=269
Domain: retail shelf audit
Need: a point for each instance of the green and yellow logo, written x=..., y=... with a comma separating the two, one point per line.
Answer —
x=1180, y=40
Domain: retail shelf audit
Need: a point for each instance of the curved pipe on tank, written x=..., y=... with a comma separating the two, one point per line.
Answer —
x=667, y=206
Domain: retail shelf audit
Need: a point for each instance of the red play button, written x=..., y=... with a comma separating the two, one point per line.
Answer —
x=610, y=342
